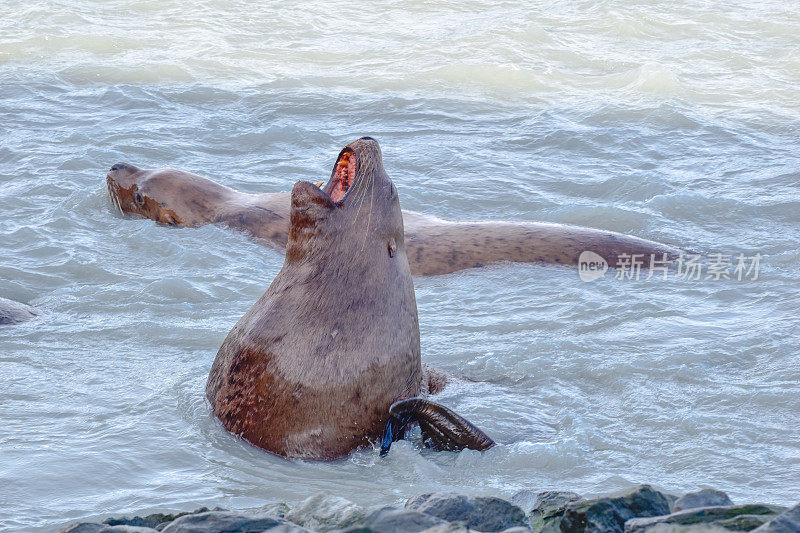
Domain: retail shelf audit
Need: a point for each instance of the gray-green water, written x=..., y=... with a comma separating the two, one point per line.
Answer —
x=672, y=121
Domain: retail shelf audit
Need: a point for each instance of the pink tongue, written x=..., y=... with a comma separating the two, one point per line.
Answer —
x=345, y=174
x=338, y=192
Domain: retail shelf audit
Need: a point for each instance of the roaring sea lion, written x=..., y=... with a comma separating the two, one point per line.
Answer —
x=12, y=312
x=313, y=368
x=434, y=246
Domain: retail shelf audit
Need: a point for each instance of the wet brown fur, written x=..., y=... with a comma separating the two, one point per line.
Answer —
x=311, y=370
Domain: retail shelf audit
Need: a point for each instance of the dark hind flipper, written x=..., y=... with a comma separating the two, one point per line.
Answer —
x=442, y=429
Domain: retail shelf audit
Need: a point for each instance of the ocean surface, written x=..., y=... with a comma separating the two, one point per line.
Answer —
x=672, y=121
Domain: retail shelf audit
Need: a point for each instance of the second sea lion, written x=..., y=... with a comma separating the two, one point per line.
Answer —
x=434, y=246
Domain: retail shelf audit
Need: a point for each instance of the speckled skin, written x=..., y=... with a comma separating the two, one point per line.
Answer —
x=311, y=370
x=435, y=246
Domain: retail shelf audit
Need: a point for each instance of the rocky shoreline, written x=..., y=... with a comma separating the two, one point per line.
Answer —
x=638, y=510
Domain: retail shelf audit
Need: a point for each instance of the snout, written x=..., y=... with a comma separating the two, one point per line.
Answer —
x=121, y=171
x=120, y=181
x=305, y=195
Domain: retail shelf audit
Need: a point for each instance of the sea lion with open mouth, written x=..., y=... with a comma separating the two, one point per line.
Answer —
x=317, y=366
x=434, y=246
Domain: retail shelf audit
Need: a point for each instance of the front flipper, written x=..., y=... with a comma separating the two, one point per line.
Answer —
x=442, y=429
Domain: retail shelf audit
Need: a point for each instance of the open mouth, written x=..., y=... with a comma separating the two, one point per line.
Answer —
x=343, y=176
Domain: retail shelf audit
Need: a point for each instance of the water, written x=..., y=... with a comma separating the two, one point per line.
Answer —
x=670, y=121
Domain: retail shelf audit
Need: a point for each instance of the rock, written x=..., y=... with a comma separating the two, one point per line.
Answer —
x=701, y=498
x=729, y=517
x=459, y=527
x=127, y=529
x=152, y=520
x=482, y=513
x=671, y=498
x=276, y=509
x=788, y=522
x=447, y=527
x=394, y=520
x=324, y=512
x=609, y=514
x=545, y=508
x=228, y=522
x=91, y=527
x=541, y=501
x=84, y=527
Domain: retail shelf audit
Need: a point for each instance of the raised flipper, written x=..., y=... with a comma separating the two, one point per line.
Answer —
x=442, y=429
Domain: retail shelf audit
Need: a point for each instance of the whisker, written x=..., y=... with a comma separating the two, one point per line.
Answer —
x=115, y=201
x=369, y=219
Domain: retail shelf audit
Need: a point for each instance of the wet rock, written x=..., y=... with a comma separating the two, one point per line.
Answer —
x=394, y=520
x=223, y=521
x=84, y=527
x=276, y=509
x=609, y=514
x=127, y=529
x=787, y=522
x=541, y=500
x=459, y=527
x=730, y=517
x=545, y=508
x=153, y=520
x=454, y=527
x=701, y=498
x=481, y=513
x=671, y=498
x=324, y=512
x=92, y=527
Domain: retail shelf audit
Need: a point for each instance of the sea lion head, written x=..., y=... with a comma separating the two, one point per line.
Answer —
x=141, y=192
x=357, y=210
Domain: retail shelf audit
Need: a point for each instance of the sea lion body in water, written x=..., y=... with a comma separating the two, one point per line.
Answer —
x=12, y=312
x=434, y=246
x=312, y=369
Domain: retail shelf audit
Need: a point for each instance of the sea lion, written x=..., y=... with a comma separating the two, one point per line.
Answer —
x=434, y=246
x=312, y=369
x=12, y=312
